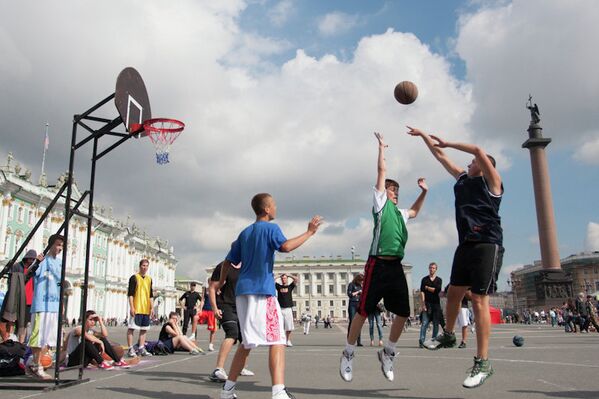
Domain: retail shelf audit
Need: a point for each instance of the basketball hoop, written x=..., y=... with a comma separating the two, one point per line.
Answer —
x=163, y=132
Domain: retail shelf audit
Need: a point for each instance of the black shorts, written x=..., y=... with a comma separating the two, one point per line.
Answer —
x=384, y=279
x=230, y=322
x=476, y=265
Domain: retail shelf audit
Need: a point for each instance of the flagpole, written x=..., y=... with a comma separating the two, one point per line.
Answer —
x=46, y=142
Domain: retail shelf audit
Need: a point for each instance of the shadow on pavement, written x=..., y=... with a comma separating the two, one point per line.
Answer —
x=563, y=394
x=155, y=394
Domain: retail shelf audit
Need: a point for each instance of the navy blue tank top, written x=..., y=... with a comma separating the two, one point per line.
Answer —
x=477, y=211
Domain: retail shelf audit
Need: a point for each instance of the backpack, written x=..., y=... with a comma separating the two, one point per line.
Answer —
x=11, y=356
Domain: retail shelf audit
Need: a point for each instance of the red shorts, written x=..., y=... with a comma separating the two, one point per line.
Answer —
x=207, y=317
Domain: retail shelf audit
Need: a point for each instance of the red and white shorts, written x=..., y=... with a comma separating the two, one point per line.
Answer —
x=261, y=320
x=207, y=317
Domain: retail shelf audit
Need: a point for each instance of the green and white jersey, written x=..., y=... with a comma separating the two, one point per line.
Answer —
x=390, y=233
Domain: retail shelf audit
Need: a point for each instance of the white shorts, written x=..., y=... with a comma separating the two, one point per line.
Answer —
x=260, y=320
x=464, y=317
x=43, y=332
x=288, y=319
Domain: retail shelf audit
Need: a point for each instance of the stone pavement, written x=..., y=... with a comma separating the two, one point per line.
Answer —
x=551, y=364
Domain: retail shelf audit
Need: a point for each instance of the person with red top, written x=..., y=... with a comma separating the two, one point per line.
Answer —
x=16, y=308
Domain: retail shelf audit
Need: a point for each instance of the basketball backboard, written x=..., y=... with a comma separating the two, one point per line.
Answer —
x=131, y=100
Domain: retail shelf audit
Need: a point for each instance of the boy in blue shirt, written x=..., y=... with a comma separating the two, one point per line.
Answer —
x=44, y=308
x=258, y=309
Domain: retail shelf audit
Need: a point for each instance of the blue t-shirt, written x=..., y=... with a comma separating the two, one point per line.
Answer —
x=46, y=295
x=255, y=249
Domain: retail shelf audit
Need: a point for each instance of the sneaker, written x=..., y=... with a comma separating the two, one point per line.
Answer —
x=230, y=394
x=105, y=365
x=211, y=347
x=131, y=352
x=289, y=344
x=218, y=375
x=443, y=340
x=462, y=345
x=122, y=364
x=478, y=373
x=35, y=371
x=144, y=352
x=246, y=372
x=192, y=337
x=194, y=352
x=345, y=367
x=421, y=344
x=386, y=360
x=284, y=394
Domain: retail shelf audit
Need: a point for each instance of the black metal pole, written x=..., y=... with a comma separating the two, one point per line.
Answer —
x=88, y=250
x=65, y=252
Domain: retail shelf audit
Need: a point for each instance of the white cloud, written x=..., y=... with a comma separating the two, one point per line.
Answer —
x=522, y=47
x=336, y=23
x=592, y=239
x=281, y=12
x=588, y=152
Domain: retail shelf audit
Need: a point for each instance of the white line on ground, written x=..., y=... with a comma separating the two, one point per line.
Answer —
x=557, y=385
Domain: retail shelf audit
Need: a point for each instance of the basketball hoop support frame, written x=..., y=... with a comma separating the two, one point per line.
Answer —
x=106, y=127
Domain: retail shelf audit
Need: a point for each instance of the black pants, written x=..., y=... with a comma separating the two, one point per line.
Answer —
x=188, y=315
x=92, y=352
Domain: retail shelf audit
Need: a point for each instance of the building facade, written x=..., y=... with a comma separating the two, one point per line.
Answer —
x=321, y=284
x=583, y=268
x=117, y=247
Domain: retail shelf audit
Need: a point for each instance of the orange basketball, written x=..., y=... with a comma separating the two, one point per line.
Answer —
x=106, y=357
x=406, y=92
x=46, y=361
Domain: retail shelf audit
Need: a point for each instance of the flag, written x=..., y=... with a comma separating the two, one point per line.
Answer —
x=46, y=141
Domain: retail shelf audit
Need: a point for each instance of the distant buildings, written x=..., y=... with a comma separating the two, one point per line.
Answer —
x=117, y=246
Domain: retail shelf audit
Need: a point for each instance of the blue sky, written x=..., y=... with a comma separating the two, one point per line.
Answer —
x=282, y=96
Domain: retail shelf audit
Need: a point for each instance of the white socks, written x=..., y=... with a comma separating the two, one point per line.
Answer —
x=349, y=348
x=390, y=347
x=229, y=385
x=277, y=388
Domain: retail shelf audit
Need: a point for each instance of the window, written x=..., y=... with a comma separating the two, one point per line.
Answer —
x=294, y=304
x=318, y=276
x=331, y=276
x=343, y=276
x=343, y=288
x=343, y=303
x=345, y=314
x=319, y=314
x=10, y=217
x=20, y=214
x=18, y=241
x=331, y=303
x=307, y=304
x=331, y=289
x=319, y=289
x=306, y=276
x=307, y=289
x=319, y=303
x=30, y=217
x=6, y=242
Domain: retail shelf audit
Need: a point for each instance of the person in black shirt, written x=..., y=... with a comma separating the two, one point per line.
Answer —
x=191, y=298
x=174, y=339
x=354, y=290
x=285, y=296
x=478, y=257
x=225, y=309
x=430, y=287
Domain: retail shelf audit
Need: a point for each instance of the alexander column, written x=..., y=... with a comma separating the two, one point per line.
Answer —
x=552, y=284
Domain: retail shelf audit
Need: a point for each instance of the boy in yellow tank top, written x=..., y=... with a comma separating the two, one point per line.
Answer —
x=141, y=308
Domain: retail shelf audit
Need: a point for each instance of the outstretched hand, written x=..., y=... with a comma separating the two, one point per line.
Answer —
x=315, y=224
x=414, y=131
x=439, y=142
x=379, y=137
x=422, y=184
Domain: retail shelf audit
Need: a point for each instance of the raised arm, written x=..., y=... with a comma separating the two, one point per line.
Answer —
x=417, y=205
x=295, y=242
x=490, y=174
x=437, y=152
x=381, y=165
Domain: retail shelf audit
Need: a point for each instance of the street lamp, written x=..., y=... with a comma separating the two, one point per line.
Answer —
x=353, y=253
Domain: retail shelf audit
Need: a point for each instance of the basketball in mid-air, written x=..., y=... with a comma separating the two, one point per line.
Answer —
x=405, y=92
x=518, y=340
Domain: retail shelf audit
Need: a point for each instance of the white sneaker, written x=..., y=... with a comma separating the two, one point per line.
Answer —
x=131, y=352
x=478, y=373
x=219, y=375
x=38, y=372
x=345, y=367
x=230, y=394
x=192, y=337
x=211, y=347
x=246, y=372
x=386, y=364
x=289, y=344
x=284, y=394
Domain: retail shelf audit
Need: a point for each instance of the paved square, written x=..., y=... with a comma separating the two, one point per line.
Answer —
x=551, y=364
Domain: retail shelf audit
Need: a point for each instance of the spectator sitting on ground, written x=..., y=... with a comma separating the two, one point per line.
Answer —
x=94, y=343
x=172, y=336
